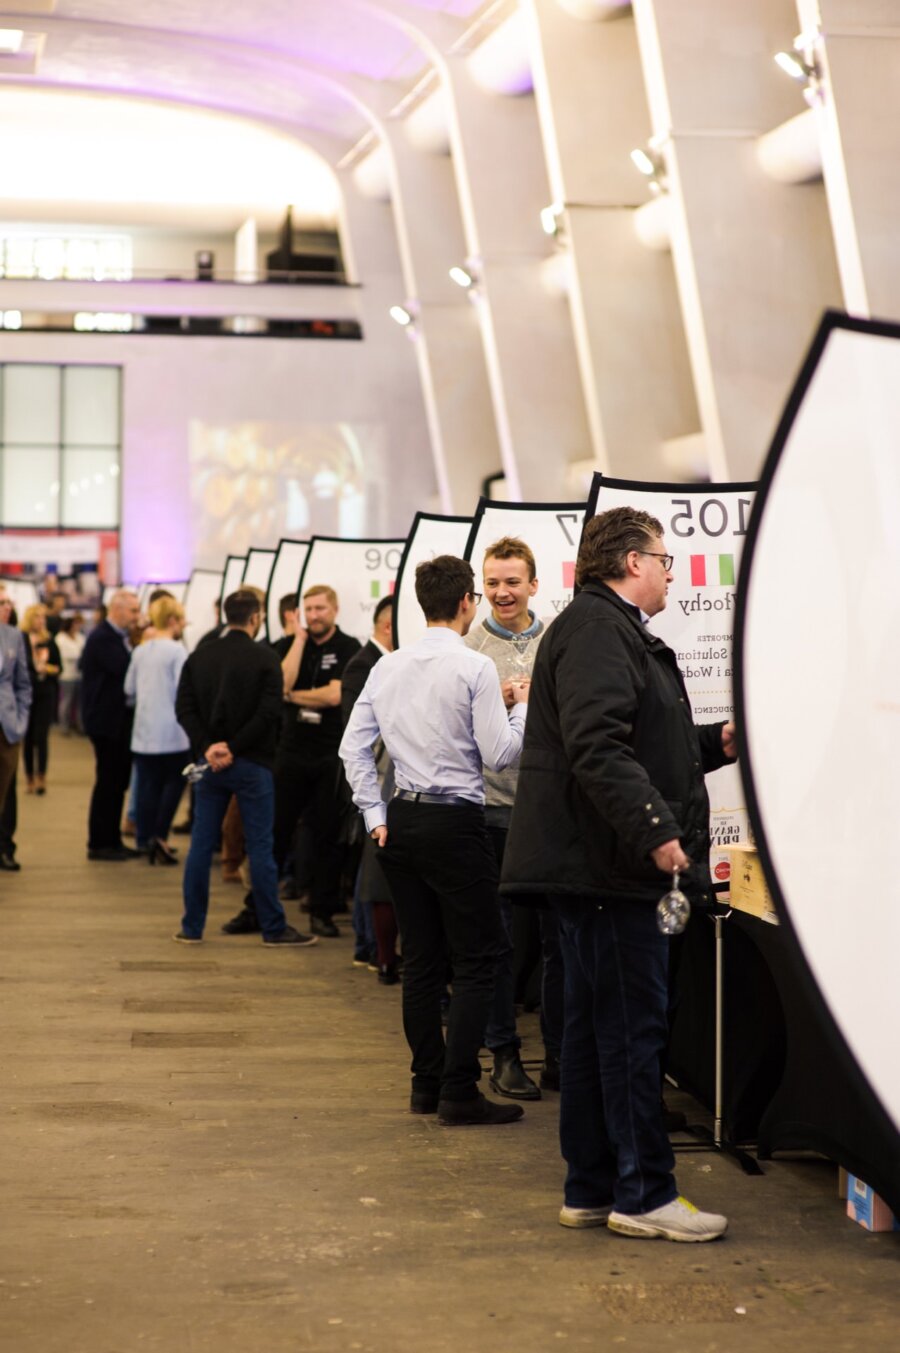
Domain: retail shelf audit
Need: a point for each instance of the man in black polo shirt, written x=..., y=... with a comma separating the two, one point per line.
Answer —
x=229, y=704
x=306, y=768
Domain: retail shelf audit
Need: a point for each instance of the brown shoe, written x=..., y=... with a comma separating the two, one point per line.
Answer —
x=231, y=876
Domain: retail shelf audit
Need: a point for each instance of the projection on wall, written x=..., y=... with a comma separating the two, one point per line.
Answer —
x=817, y=649
x=254, y=483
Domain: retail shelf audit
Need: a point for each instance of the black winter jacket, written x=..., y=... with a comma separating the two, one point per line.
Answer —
x=612, y=764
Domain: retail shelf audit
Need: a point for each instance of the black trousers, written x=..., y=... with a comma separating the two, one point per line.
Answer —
x=112, y=775
x=43, y=710
x=443, y=877
x=8, y=815
x=310, y=787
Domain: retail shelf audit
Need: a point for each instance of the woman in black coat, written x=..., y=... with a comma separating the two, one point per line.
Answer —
x=44, y=666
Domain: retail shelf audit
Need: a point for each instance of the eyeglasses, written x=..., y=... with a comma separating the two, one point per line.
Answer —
x=476, y=597
x=668, y=559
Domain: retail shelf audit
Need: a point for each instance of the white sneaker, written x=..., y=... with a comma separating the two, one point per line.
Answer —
x=678, y=1220
x=580, y=1217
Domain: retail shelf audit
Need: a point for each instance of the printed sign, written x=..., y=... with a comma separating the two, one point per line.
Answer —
x=360, y=571
x=284, y=577
x=704, y=526
x=201, y=595
x=551, y=530
x=429, y=536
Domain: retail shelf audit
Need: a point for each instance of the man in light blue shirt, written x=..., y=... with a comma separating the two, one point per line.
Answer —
x=437, y=707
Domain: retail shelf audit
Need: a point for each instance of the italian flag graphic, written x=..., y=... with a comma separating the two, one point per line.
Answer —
x=375, y=589
x=712, y=570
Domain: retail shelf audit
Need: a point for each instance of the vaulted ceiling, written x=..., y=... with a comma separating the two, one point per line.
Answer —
x=308, y=66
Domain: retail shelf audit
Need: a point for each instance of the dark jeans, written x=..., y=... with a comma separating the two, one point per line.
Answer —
x=310, y=788
x=553, y=981
x=443, y=876
x=501, y=1026
x=113, y=772
x=160, y=785
x=611, y=1130
x=252, y=785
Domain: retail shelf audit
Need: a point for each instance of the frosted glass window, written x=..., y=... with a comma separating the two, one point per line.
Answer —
x=90, y=406
x=31, y=404
x=29, y=495
x=89, y=488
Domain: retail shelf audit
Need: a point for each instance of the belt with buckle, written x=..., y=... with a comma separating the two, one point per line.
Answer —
x=447, y=800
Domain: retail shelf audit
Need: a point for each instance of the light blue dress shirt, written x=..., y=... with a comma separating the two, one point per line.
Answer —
x=437, y=706
x=151, y=683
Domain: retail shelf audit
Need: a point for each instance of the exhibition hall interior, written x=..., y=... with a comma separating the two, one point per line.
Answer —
x=448, y=496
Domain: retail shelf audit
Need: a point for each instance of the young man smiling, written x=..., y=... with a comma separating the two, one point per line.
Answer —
x=510, y=636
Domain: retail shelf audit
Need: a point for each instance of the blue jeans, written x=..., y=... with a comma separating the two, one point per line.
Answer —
x=363, y=927
x=611, y=1130
x=255, y=792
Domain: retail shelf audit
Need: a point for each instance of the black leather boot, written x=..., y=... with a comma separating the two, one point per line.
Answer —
x=550, y=1073
x=509, y=1077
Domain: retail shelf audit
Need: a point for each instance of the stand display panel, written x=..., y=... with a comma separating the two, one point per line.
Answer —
x=818, y=700
x=284, y=577
x=705, y=526
x=360, y=571
x=429, y=536
x=257, y=572
x=201, y=595
x=233, y=575
x=177, y=590
x=551, y=530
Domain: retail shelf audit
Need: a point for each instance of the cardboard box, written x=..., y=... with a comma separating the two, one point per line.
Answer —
x=843, y=1183
x=866, y=1208
x=748, y=888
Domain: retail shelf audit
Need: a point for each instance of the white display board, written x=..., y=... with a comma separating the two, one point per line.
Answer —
x=284, y=577
x=257, y=572
x=818, y=682
x=429, y=536
x=704, y=527
x=177, y=590
x=360, y=571
x=201, y=595
x=23, y=594
x=552, y=532
x=233, y=574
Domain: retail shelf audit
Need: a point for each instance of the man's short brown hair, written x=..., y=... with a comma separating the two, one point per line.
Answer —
x=441, y=584
x=322, y=589
x=609, y=538
x=511, y=547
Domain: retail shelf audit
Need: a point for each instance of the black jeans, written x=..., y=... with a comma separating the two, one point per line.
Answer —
x=160, y=785
x=443, y=876
x=310, y=787
x=112, y=776
x=611, y=1130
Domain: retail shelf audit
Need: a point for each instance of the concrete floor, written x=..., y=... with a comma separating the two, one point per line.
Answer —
x=208, y=1150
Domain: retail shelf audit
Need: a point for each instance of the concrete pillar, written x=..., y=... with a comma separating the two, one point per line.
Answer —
x=754, y=259
x=629, y=338
x=857, y=114
x=529, y=349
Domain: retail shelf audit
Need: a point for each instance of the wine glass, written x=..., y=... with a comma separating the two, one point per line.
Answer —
x=522, y=656
x=673, y=911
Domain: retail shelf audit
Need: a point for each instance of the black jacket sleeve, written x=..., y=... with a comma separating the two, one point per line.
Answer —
x=712, y=756
x=187, y=710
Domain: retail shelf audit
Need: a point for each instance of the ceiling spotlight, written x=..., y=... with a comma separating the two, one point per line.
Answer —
x=400, y=315
x=642, y=161
x=462, y=278
x=11, y=40
x=550, y=218
x=794, y=66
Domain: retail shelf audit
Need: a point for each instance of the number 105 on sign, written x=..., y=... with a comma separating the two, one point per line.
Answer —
x=712, y=516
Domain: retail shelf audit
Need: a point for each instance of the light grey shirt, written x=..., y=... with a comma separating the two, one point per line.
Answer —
x=438, y=708
x=151, y=682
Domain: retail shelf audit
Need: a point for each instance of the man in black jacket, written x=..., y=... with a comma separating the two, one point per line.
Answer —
x=107, y=722
x=229, y=704
x=611, y=801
